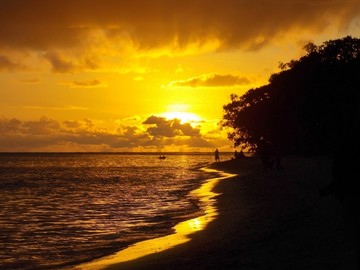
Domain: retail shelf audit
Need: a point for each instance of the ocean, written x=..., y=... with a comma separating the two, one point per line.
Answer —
x=62, y=209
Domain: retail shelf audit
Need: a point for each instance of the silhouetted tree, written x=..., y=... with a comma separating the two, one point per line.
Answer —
x=306, y=107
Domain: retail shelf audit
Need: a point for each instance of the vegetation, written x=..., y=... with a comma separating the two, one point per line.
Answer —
x=308, y=108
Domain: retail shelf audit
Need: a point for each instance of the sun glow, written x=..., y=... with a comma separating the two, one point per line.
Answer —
x=181, y=111
x=184, y=117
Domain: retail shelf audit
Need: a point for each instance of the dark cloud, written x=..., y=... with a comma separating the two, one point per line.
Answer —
x=213, y=80
x=155, y=120
x=85, y=124
x=8, y=64
x=72, y=124
x=85, y=84
x=169, y=128
x=45, y=133
x=43, y=126
x=43, y=25
x=49, y=135
x=162, y=127
x=89, y=83
x=59, y=64
x=9, y=125
x=69, y=64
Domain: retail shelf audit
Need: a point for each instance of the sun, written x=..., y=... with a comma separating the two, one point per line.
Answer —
x=182, y=112
x=184, y=117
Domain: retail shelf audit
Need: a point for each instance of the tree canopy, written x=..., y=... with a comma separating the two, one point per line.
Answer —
x=308, y=108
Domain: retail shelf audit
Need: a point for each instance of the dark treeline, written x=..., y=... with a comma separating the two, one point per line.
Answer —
x=311, y=107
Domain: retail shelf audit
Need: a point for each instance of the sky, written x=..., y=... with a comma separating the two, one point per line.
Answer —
x=141, y=75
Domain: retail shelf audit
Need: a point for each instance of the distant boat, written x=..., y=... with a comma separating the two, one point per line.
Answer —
x=162, y=157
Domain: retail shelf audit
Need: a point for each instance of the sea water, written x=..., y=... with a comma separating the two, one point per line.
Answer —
x=61, y=209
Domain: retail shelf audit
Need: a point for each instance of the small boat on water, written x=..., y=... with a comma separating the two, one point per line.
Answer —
x=162, y=157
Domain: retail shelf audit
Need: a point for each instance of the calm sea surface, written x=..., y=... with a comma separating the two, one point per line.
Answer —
x=62, y=209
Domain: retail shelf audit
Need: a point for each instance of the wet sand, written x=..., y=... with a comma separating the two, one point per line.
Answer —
x=266, y=220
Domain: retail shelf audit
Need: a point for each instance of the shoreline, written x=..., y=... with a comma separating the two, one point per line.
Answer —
x=182, y=231
x=266, y=220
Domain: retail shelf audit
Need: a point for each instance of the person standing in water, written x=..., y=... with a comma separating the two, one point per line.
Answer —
x=217, y=155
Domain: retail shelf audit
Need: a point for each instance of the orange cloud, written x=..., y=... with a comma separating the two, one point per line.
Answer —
x=85, y=135
x=30, y=81
x=77, y=27
x=163, y=127
x=67, y=64
x=14, y=126
x=59, y=64
x=8, y=64
x=84, y=84
x=212, y=80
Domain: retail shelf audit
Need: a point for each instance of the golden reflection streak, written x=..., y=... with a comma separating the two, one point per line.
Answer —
x=183, y=230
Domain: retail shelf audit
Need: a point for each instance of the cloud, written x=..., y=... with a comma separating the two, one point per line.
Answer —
x=8, y=64
x=211, y=80
x=30, y=81
x=163, y=127
x=85, y=84
x=72, y=124
x=69, y=32
x=66, y=63
x=43, y=126
x=14, y=126
x=154, y=132
x=59, y=64
x=79, y=125
x=9, y=125
x=49, y=135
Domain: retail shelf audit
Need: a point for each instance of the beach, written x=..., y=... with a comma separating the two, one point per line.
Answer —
x=265, y=220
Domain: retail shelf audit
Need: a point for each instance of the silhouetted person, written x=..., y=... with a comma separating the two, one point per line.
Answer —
x=240, y=154
x=217, y=155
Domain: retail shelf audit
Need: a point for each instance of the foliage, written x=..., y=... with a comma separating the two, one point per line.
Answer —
x=307, y=107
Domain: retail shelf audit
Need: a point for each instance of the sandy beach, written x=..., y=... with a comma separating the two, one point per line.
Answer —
x=266, y=220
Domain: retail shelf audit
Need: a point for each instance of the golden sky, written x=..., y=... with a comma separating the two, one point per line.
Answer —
x=112, y=75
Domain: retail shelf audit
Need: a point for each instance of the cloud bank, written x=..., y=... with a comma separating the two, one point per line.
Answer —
x=153, y=133
x=68, y=33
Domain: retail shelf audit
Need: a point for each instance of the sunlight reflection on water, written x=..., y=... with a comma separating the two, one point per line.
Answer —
x=60, y=208
x=182, y=230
